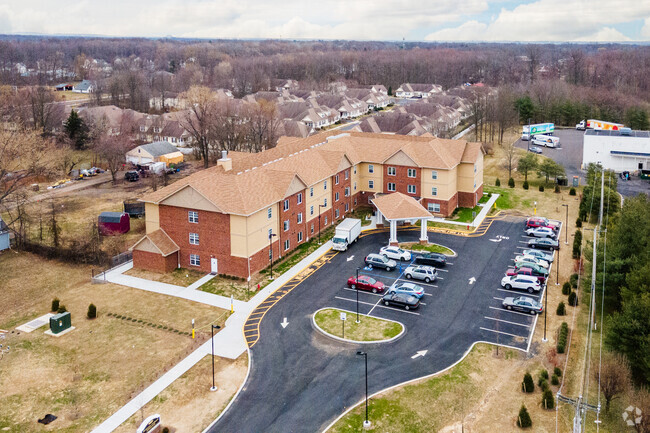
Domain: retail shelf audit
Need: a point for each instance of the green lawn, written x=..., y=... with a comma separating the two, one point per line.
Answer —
x=369, y=328
x=464, y=214
x=505, y=200
x=432, y=248
x=361, y=214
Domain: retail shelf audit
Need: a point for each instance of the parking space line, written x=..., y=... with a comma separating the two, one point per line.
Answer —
x=504, y=333
x=363, y=291
x=498, y=299
x=354, y=300
x=373, y=307
x=442, y=270
x=377, y=305
x=506, y=321
x=510, y=311
x=515, y=292
x=418, y=283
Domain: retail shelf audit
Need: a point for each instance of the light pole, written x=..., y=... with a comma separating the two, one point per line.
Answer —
x=214, y=387
x=528, y=149
x=366, y=423
x=566, y=225
x=319, y=206
x=271, y=235
x=356, y=286
x=557, y=269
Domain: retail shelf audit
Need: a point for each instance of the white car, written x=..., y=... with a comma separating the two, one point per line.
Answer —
x=425, y=273
x=531, y=259
x=396, y=253
x=541, y=232
x=521, y=282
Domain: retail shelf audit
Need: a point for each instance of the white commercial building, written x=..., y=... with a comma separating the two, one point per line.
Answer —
x=624, y=150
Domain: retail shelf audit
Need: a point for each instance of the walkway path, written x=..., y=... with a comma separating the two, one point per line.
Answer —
x=228, y=343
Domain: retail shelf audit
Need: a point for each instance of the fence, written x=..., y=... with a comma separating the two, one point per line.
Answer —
x=99, y=276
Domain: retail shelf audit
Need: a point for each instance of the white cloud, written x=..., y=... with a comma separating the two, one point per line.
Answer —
x=606, y=34
x=645, y=31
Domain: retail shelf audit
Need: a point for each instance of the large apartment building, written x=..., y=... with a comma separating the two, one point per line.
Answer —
x=231, y=217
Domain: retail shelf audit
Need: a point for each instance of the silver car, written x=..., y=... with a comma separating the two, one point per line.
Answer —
x=421, y=272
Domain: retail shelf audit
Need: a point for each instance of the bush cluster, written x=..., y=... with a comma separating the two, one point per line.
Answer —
x=511, y=183
x=573, y=299
x=541, y=188
x=543, y=377
x=528, y=385
x=525, y=185
x=577, y=243
x=557, y=371
x=566, y=288
x=572, y=191
x=497, y=182
x=548, y=401
x=574, y=280
x=55, y=304
x=561, y=309
x=578, y=222
x=523, y=420
x=92, y=311
x=555, y=380
x=61, y=309
x=562, y=338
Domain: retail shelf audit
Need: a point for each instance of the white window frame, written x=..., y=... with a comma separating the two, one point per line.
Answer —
x=286, y=205
x=347, y=207
x=270, y=233
x=194, y=239
x=195, y=260
x=287, y=244
x=336, y=196
x=414, y=187
x=336, y=213
x=285, y=225
x=392, y=171
x=311, y=191
x=325, y=220
x=311, y=210
x=412, y=170
x=324, y=185
x=300, y=218
x=346, y=191
x=391, y=186
x=371, y=168
x=299, y=198
x=347, y=174
x=336, y=179
x=434, y=191
x=193, y=216
x=269, y=213
x=434, y=207
x=299, y=236
x=371, y=184
x=434, y=175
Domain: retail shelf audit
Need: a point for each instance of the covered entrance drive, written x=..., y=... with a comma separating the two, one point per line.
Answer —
x=396, y=207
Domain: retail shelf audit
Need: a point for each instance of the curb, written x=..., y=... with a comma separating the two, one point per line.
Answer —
x=345, y=340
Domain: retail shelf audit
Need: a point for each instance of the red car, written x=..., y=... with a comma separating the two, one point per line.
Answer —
x=534, y=222
x=367, y=283
x=526, y=271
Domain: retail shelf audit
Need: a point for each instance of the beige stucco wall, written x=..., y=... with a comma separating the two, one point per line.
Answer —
x=152, y=219
x=320, y=194
x=249, y=235
x=364, y=177
x=446, y=183
x=467, y=176
x=190, y=199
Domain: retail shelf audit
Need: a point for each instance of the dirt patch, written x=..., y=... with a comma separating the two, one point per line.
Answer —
x=178, y=277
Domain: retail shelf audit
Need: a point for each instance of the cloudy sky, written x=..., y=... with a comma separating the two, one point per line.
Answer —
x=413, y=20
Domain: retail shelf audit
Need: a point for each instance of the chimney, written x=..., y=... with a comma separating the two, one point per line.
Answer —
x=225, y=162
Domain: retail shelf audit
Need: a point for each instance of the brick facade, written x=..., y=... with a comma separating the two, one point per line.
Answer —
x=314, y=220
x=154, y=262
x=402, y=180
x=291, y=215
x=470, y=199
x=447, y=207
x=339, y=189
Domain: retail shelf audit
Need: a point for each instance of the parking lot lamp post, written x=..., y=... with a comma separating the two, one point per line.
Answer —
x=557, y=269
x=545, y=309
x=356, y=286
x=528, y=134
x=319, y=206
x=566, y=225
x=271, y=235
x=366, y=423
x=214, y=387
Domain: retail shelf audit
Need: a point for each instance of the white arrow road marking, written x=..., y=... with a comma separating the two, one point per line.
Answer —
x=350, y=258
x=495, y=240
x=284, y=323
x=419, y=353
x=472, y=280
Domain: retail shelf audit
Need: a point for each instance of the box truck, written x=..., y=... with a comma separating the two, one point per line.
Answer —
x=537, y=129
x=598, y=124
x=346, y=233
x=546, y=140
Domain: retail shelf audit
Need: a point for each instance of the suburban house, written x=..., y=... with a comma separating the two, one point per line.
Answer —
x=233, y=218
x=394, y=122
x=63, y=86
x=4, y=236
x=410, y=90
x=86, y=86
x=159, y=151
x=281, y=85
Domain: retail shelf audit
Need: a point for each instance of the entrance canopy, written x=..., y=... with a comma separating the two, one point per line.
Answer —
x=400, y=207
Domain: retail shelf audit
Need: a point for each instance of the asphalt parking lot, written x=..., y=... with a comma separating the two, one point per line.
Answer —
x=569, y=154
x=301, y=380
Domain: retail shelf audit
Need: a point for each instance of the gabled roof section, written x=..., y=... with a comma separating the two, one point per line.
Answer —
x=159, y=148
x=160, y=240
x=398, y=206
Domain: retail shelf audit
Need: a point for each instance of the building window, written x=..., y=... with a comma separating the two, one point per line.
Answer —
x=299, y=199
x=355, y=186
x=474, y=168
x=391, y=186
x=311, y=191
x=474, y=185
x=325, y=220
x=336, y=179
x=355, y=201
x=299, y=236
x=195, y=260
x=371, y=184
x=434, y=191
x=336, y=213
x=411, y=172
x=312, y=228
x=286, y=205
x=269, y=213
x=355, y=169
x=325, y=202
x=194, y=238
x=311, y=210
x=347, y=191
x=336, y=196
x=412, y=189
x=347, y=207
x=392, y=171
x=300, y=218
x=347, y=174
x=286, y=244
x=285, y=225
x=324, y=185
x=193, y=216
x=434, y=174
x=371, y=168
x=434, y=207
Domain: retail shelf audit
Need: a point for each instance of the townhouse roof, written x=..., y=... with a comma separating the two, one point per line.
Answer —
x=158, y=148
x=161, y=241
x=84, y=85
x=398, y=206
x=257, y=180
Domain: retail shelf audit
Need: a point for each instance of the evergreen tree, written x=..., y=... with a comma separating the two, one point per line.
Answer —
x=76, y=130
x=523, y=420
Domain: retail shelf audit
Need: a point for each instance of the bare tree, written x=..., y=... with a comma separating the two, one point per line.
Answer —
x=614, y=376
x=640, y=399
x=111, y=145
x=199, y=120
x=263, y=122
x=511, y=151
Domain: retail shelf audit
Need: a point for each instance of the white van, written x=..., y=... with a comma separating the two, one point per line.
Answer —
x=546, y=140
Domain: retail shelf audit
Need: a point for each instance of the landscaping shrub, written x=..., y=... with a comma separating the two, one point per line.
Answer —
x=578, y=222
x=525, y=185
x=511, y=183
x=543, y=376
x=528, y=385
x=497, y=182
x=557, y=371
x=557, y=189
x=55, y=304
x=573, y=299
x=555, y=380
x=577, y=243
x=544, y=385
x=165, y=430
x=92, y=311
x=574, y=280
x=572, y=191
x=548, y=402
x=562, y=337
x=566, y=288
x=561, y=309
x=523, y=419
x=61, y=309
x=541, y=188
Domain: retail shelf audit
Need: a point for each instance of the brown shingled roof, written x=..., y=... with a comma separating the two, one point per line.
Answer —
x=398, y=206
x=161, y=241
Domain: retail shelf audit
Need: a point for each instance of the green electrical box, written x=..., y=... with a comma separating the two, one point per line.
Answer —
x=60, y=322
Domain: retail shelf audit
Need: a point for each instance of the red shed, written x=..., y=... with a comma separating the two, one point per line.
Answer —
x=114, y=223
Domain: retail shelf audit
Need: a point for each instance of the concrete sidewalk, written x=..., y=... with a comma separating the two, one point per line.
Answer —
x=228, y=343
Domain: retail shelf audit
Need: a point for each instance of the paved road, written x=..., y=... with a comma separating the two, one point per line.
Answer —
x=300, y=380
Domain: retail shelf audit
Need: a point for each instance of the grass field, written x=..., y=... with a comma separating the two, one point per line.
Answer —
x=179, y=277
x=86, y=375
x=368, y=328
